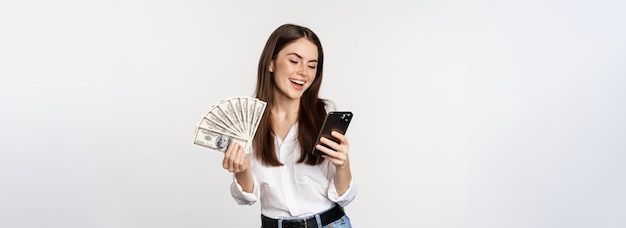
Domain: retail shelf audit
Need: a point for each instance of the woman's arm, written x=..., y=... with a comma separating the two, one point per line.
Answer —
x=236, y=161
x=339, y=157
x=343, y=177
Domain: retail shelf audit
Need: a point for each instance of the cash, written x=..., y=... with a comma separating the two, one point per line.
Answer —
x=234, y=119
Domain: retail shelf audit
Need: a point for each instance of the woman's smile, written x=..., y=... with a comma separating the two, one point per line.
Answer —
x=297, y=84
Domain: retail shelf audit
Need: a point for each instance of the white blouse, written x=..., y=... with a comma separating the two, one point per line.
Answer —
x=294, y=189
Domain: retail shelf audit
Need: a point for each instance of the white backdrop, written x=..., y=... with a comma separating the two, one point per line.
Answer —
x=467, y=113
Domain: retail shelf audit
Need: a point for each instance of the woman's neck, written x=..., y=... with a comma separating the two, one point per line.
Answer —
x=283, y=111
x=285, y=108
x=284, y=114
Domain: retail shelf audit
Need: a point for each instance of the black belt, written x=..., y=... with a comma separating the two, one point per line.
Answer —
x=326, y=217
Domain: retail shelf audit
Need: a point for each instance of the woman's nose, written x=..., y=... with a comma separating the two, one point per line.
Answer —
x=303, y=70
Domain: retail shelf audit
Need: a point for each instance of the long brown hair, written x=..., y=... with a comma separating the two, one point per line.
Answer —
x=312, y=109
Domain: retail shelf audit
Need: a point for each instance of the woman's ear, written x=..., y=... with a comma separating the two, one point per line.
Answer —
x=271, y=66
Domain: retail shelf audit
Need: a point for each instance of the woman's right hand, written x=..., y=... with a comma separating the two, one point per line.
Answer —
x=235, y=159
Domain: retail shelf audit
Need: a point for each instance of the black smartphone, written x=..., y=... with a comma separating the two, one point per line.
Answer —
x=335, y=121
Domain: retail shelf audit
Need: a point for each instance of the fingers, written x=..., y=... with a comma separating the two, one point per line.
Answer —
x=227, y=155
x=337, y=153
x=341, y=147
x=342, y=138
x=336, y=161
x=334, y=153
x=235, y=159
x=238, y=164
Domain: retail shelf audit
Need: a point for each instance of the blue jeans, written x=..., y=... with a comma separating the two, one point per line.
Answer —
x=343, y=222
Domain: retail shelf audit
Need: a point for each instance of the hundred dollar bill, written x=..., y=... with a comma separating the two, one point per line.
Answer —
x=210, y=125
x=232, y=117
x=236, y=104
x=214, y=117
x=251, y=112
x=217, y=141
x=223, y=114
x=258, y=113
x=243, y=102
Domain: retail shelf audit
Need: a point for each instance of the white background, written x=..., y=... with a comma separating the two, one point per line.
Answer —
x=467, y=113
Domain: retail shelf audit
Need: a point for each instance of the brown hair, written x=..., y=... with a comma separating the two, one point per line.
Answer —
x=312, y=109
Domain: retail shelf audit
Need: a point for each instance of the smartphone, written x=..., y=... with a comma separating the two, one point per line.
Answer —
x=335, y=121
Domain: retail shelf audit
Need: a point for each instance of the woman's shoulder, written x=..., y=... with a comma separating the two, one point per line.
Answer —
x=329, y=106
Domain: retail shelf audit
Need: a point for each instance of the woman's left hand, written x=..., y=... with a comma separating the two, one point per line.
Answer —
x=338, y=152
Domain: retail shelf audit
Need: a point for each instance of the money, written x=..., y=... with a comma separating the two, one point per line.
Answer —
x=234, y=119
x=215, y=140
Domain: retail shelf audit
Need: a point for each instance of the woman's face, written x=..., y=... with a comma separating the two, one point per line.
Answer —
x=294, y=68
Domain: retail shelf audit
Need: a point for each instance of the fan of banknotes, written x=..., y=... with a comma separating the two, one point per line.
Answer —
x=233, y=119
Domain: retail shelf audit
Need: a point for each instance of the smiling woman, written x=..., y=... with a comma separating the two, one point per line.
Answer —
x=490, y=114
x=295, y=65
x=289, y=80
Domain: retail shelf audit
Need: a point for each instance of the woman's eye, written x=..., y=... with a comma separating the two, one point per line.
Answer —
x=312, y=67
x=292, y=61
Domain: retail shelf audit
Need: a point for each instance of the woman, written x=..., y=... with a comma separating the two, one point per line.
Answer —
x=296, y=188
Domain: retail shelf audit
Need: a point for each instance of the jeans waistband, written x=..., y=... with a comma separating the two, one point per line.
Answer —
x=325, y=218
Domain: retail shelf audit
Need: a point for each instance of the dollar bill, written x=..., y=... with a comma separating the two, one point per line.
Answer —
x=216, y=116
x=258, y=113
x=210, y=125
x=233, y=119
x=243, y=101
x=238, y=111
x=227, y=112
x=216, y=141
x=250, y=113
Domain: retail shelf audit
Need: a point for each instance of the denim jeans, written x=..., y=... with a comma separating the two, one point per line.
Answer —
x=343, y=222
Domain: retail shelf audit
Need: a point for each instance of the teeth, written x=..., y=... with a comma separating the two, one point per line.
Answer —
x=297, y=81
